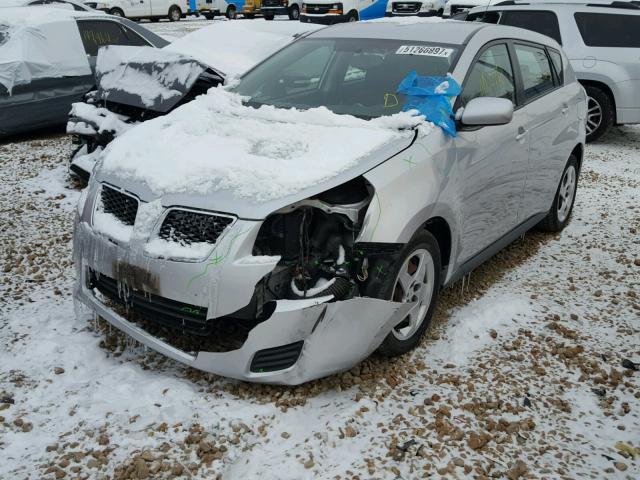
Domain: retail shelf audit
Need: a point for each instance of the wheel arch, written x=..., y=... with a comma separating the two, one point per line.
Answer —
x=578, y=152
x=440, y=229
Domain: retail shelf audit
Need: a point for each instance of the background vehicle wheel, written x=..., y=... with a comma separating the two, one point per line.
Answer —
x=294, y=13
x=231, y=12
x=116, y=12
x=414, y=277
x=440, y=12
x=249, y=15
x=269, y=16
x=208, y=16
x=154, y=19
x=600, y=112
x=352, y=17
x=560, y=213
x=175, y=14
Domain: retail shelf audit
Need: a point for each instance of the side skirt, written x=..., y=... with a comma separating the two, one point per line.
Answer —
x=494, y=248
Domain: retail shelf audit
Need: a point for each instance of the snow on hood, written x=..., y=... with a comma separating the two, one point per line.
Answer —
x=235, y=47
x=152, y=78
x=216, y=143
x=39, y=43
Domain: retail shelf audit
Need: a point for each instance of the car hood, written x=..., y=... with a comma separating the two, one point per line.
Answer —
x=147, y=77
x=217, y=154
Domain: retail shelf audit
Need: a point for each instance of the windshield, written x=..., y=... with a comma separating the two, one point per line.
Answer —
x=348, y=76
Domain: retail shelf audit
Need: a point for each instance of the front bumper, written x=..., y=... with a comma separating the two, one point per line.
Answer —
x=431, y=13
x=333, y=336
x=323, y=19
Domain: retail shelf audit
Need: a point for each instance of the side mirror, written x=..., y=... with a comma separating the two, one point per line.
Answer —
x=483, y=111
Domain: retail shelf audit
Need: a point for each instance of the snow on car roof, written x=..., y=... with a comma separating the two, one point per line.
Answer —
x=40, y=43
x=235, y=47
x=200, y=147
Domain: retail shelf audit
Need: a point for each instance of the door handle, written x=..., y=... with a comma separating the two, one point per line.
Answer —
x=565, y=108
x=521, y=133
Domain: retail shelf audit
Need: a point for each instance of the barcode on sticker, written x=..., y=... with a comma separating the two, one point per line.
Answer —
x=424, y=50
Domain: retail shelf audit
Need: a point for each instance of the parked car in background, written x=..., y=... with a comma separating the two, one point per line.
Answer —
x=328, y=13
x=271, y=8
x=421, y=8
x=602, y=42
x=213, y=8
x=456, y=7
x=46, y=61
x=296, y=251
x=76, y=5
x=138, y=9
x=118, y=104
x=251, y=8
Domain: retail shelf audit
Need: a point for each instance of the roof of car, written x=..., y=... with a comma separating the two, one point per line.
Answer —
x=405, y=28
x=598, y=6
x=36, y=15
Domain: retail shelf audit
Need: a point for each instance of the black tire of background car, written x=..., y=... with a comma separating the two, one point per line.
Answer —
x=231, y=12
x=440, y=12
x=154, y=19
x=608, y=112
x=269, y=16
x=208, y=16
x=551, y=223
x=249, y=15
x=175, y=14
x=352, y=17
x=294, y=12
x=116, y=12
x=381, y=286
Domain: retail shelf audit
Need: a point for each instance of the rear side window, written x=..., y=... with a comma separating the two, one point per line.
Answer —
x=490, y=76
x=535, y=70
x=541, y=21
x=98, y=33
x=556, y=60
x=609, y=30
x=484, y=17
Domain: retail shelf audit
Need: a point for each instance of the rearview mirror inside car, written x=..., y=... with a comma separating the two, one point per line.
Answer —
x=483, y=111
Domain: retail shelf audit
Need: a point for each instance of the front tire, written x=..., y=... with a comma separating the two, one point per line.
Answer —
x=352, y=17
x=231, y=13
x=560, y=213
x=414, y=277
x=175, y=14
x=600, y=112
x=116, y=12
x=294, y=13
x=269, y=16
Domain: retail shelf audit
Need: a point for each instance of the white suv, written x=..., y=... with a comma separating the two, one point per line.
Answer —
x=602, y=42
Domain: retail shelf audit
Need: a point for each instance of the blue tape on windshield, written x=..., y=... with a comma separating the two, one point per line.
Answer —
x=430, y=96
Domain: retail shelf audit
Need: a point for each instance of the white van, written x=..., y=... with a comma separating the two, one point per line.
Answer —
x=211, y=8
x=456, y=7
x=329, y=12
x=421, y=8
x=174, y=10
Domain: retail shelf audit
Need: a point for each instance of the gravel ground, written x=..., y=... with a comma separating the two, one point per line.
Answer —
x=520, y=376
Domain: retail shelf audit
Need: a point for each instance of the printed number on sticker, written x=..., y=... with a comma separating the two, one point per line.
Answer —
x=424, y=50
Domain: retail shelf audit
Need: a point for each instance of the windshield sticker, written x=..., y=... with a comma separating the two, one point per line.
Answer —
x=424, y=50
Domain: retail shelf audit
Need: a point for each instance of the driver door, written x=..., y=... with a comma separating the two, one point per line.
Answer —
x=492, y=160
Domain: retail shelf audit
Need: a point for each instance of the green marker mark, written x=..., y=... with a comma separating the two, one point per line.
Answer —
x=410, y=161
x=380, y=269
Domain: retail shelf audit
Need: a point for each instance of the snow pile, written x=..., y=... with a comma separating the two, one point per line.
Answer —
x=215, y=143
x=148, y=73
x=235, y=47
x=89, y=119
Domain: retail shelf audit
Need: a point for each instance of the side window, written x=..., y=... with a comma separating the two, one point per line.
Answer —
x=490, y=76
x=609, y=30
x=556, y=59
x=540, y=21
x=535, y=69
x=98, y=33
x=306, y=72
x=484, y=17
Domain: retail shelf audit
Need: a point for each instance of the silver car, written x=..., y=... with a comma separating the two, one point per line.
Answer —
x=601, y=39
x=304, y=285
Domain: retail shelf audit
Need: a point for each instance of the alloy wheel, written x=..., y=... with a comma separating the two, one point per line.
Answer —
x=594, y=115
x=566, y=193
x=414, y=284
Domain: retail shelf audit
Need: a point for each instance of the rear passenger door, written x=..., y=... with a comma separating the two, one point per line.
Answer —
x=546, y=105
x=492, y=159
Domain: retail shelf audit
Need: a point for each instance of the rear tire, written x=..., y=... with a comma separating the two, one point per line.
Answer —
x=560, y=213
x=208, y=16
x=352, y=17
x=249, y=15
x=175, y=14
x=154, y=19
x=294, y=13
x=600, y=112
x=415, y=276
x=269, y=16
x=231, y=13
x=116, y=12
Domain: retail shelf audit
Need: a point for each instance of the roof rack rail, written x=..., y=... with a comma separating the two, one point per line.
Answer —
x=635, y=5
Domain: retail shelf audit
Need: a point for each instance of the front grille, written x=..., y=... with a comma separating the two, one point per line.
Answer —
x=317, y=8
x=186, y=227
x=154, y=308
x=406, y=7
x=122, y=206
x=272, y=3
x=276, y=358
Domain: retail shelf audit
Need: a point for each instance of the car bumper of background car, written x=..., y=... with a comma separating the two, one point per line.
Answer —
x=300, y=341
x=323, y=19
x=431, y=13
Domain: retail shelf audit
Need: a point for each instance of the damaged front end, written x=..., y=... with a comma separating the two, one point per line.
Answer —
x=134, y=84
x=282, y=300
